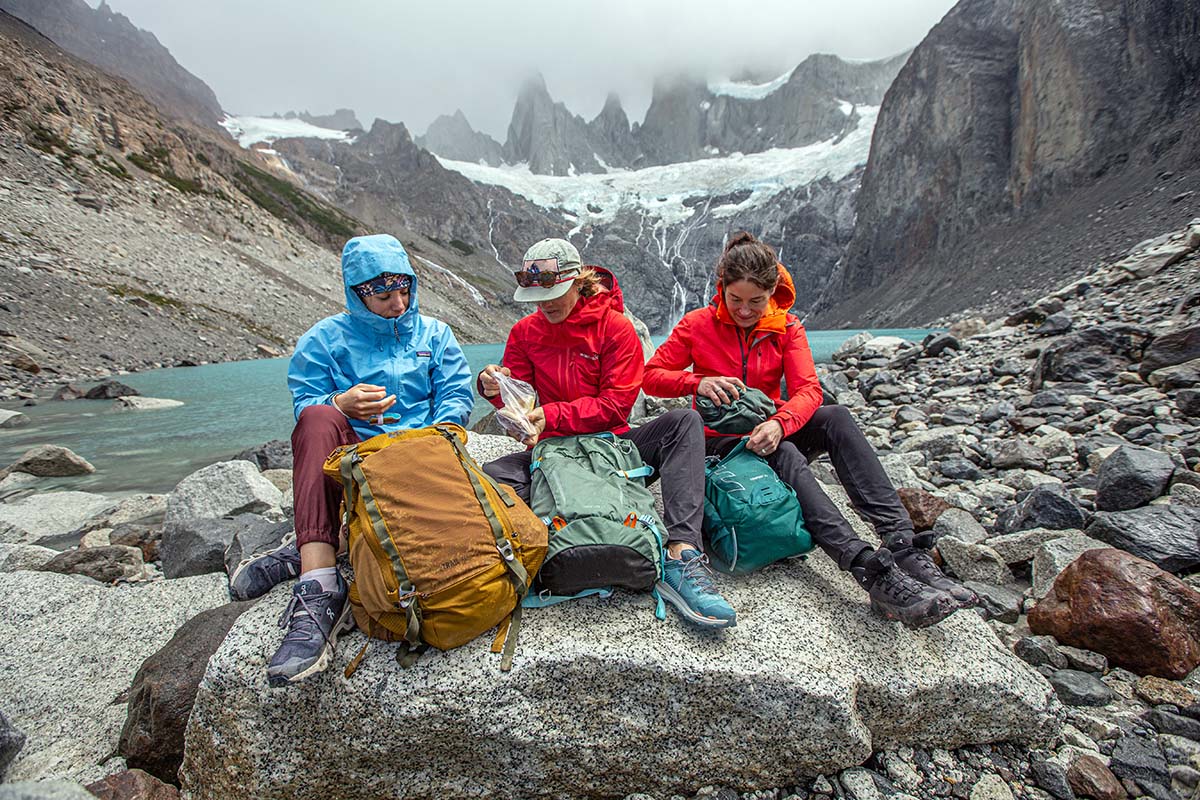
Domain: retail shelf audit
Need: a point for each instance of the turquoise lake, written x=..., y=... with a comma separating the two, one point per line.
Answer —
x=228, y=408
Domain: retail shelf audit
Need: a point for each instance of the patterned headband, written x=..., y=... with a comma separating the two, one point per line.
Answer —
x=387, y=282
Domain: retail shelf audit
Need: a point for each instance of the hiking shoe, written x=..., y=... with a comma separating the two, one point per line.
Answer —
x=688, y=584
x=262, y=572
x=897, y=595
x=919, y=564
x=313, y=620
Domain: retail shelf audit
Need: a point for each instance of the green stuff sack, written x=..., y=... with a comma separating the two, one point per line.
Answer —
x=751, y=517
x=604, y=530
x=739, y=417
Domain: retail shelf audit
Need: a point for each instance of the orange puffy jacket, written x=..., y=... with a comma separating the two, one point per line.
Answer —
x=708, y=341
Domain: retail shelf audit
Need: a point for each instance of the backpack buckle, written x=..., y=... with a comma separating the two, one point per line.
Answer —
x=506, y=550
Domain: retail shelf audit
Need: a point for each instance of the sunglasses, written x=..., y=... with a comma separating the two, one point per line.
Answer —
x=542, y=272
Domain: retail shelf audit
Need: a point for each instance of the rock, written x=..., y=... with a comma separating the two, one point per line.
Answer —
x=44, y=790
x=11, y=742
x=1076, y=688
x=141, y=509
x=968, y=327
x=275, y=454
x=1054, y=325
x=1022, y=546
x=51, y=461
x=1084, y=660
x=859, y=784
x=997, y=411
x=1092, y=354
x=934, y=443
x=1039, y=651
x=24, y=556
x=852, y=345
x=885, y=347
x=49, y=514
x=1014, y=453
x=1168, y=535
x=110, y=390
x=940, y=342
x=144, y=404
x=281, y=479
x=1046, y=506
x=991, y=786
x=899, y=472
x=1089, y=777
x=1132, y=477
x=1188, y=402
x=974, y=562
x=1139, y=617
x=1181, y=376
x=164, y=689
x=1177, y=724
x=222, y=489
x=254, y=536
x=1139, y=759
x=198, y=546
x=623, y=668
x=1056, y=555
x=132, y=784
x=1001, y=603
x=145, y=538
x=68, y=391
x=107, y=564
x=959, y=469
x=923, y=508
x=484, y=448
x=69, y=649
x=960, y=524
x=1159, y=691
x=25, y=363
x=12, y=419
x=1052, y=777
x=1170, y=349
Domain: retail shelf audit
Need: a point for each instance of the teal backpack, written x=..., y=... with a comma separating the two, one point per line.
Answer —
x=591, y=492
x=741, y=416
x=751, y=517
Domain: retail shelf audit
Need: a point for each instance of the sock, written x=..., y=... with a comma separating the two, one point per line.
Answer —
x=326, y=576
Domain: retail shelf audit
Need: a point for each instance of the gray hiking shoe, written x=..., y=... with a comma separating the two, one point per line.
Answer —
x=262, y=572
x=919, y=564
x=898, y=596
x=313, y=620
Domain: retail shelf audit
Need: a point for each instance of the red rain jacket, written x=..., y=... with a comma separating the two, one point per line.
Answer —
x=587, y=369
x=708, y=341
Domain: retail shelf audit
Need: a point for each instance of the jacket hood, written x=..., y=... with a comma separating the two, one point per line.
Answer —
x=774, y=319
x=365, y=257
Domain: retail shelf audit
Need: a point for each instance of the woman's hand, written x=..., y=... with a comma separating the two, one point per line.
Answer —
x=537, y=418
x=765, y=438
x=720, y=390
x=491, y=386
x=363, y=401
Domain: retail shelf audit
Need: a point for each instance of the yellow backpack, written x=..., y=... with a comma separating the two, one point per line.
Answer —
x=440, y=551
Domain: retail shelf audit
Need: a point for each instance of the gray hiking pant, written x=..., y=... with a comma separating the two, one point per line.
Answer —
x=673, y=444
x=832, y=430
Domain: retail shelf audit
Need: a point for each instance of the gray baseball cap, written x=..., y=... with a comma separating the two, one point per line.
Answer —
x=556, y=256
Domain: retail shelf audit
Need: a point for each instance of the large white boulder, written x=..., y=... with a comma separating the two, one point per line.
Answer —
x=222, y=489
x=49, y=514
x=605, y=700
x=68, y=650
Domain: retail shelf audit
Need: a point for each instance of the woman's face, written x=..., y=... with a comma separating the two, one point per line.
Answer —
x=388, y=304
x=559, y=309
x=747, y=302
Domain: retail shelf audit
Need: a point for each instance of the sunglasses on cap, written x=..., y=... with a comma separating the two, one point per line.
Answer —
x=543, y=272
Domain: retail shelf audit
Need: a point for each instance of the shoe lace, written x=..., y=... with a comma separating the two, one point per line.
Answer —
x=299, y=621
x=275, y=554
x=700, y=574
x=898, y=585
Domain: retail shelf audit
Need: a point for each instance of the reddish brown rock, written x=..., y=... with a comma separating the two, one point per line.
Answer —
x=1090, y=778
x=1140, y=617
x=133, y=784
x=922, y=507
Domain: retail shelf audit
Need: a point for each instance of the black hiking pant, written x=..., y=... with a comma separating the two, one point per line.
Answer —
x=673, y=444
x=833, y=430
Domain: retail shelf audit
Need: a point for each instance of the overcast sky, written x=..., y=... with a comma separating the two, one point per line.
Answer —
x=409, y=62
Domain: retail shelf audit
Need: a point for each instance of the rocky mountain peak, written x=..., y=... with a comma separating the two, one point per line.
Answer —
x=546, y=135
x=110, y=41
x=343, y=119
x=611, y=136
x=453, y=137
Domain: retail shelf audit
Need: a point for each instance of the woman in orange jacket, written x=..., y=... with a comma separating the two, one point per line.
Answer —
x=747, y=338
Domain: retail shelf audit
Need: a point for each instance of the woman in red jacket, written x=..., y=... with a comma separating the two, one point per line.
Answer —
x=747, y=338
x=584, y=359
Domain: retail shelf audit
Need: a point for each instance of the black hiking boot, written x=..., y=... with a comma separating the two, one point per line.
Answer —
x=898, y=596
x=919, y=564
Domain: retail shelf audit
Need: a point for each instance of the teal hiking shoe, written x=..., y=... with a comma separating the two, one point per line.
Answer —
x=688, y=585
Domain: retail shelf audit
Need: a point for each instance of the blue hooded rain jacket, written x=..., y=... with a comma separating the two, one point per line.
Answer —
x=414, y=357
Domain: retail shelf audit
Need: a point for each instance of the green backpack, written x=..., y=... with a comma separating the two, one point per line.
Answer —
x=751, y=517
x=739, y=417
x=591, y=492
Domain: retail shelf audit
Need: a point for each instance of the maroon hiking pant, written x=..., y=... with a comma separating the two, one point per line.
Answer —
x=318, y=498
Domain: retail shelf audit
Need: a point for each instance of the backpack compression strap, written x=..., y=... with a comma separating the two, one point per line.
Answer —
x=354, y=483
